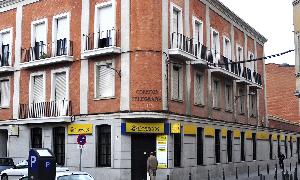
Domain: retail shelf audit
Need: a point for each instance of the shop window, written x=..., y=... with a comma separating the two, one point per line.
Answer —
x=36, y=138
x=229, y=146
x=103, y=146
x=217, y=146
x=177, y=149
x=199, y=146
x=59, y=145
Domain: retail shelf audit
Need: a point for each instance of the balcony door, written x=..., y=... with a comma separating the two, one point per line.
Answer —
x=105, y=24
x=60, y=93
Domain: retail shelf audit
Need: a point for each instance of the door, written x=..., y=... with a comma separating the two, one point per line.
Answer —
x=3, y=142
x=141, y=146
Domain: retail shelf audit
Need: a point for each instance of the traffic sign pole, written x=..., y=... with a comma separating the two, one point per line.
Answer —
x=80, y=158
x=81, y=140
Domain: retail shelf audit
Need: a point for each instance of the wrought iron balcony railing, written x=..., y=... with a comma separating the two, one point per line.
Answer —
x=101, y=39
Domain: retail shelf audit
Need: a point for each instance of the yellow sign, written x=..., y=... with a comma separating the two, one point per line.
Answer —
x=262, y=135
x=236, y=133
x=175, y=128
x=224, y=132
x=190, y=129
x=248, y=134
x=74, y=129
x=282, y=137
x=209, y=131
x=162, y=151
x=145, y=127
x=274, y=137
x=294, y=138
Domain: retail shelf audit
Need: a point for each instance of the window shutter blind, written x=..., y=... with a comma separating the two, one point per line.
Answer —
x=60, y=86
x=105, y=81
x=175, y=82
x=6, y=38
x=106, y=19
x=4, y=92
x=40, y=32
x=180, y=82
x=198, y=95
x=38, y=88
x=62, y=28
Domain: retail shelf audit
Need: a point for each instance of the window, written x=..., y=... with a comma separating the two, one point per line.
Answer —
x=199, y=146
x=252, y=64
x=228, y=97
x=215, y=45
x=254, y=146
x=175, y=24
x=59, y=145
x=240, y=57
x=229, y=146
x=5, y=47
x=60, y=85
x=61, y=34
x=198, y=35
x=271, y=146
x=177, y=149
x=4, y=93
x=177, y=83
x=36, y=138
x=241, y=104
x=39, y=38
x=37, y=88
x=216, y=93
x=253, y=104
x=104, y=146
x=104, y=80
x=199, y=89
x=226, y=47
x=242, y=146
x=104, y=25
x=217, y=146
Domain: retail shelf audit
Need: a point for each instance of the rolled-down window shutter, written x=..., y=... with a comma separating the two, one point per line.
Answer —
x=60, y=86
x=175, y=82
x=62, y=28
x=40, y=32
x=105, y=81
x=4, y=93
x=38, y=88
x=198, y=89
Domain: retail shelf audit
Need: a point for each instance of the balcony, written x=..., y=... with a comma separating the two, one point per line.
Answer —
x=62, y=51
x=5, y=65
x=101, y=43
x=61, y=108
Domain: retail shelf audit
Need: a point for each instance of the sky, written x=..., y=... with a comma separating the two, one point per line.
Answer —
x=271, y=18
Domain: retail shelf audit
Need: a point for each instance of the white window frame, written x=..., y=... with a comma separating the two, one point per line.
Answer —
x=54, y=30
x=201, y=101
x=60, y=70
x=228, y=105
x=10, y=31
x=198, y=21
x=96, y=16
x=33, y=35
x=31, y=85
x=103, y=63
x=216, y=56
x=179, y=9
x=225, y=47
x=252, y=62
x=216, y=97
x=180, y=99
x=9, y=92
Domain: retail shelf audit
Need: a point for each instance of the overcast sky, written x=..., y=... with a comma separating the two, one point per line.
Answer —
x=273, y=19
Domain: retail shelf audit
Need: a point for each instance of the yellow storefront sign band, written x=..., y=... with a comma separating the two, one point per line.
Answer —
x=145, y=127
x=262, y=135
x=74, y=129
x=294, y=138
x=248, y=134
x=236, y=133
x=224, y=132
x=274, y=137
x=175, y=128
x=189, y=129
x=282, y=137
x=209, y=131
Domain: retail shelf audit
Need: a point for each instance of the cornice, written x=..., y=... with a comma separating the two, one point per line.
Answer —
x=5, y=3
x=239, y=21
x=296, y=2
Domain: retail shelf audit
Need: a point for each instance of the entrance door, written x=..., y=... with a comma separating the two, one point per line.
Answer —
x=141, y=146
x=3, y=142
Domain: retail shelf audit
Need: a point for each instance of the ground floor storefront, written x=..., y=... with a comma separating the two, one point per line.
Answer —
x=118, y=145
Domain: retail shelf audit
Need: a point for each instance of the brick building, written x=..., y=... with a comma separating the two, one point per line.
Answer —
x=283, y=105
x=135, y=76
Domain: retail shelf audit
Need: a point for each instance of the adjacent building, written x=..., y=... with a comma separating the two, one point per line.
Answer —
x=135, y=77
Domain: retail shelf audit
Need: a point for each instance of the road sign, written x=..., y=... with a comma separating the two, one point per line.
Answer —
x=81, y=139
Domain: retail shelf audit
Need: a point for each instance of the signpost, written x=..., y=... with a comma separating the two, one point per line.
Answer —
x=81, y=140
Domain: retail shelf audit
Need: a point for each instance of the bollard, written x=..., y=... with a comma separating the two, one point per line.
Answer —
x=190, y=176
x=168, y=177
x=223, y=174
x=268, y=170
x=236, y=173
x=208, y=176
x=258, y=170
x=248, y=171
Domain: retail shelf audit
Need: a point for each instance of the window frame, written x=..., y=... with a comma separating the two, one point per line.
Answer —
x=9, y=92
x=60, y=70
x=180, y=83
x=10, y=32
x=198, y=21
x=175, y=7
x=216, y=96
x=33, y=32
x=32, y=75
x=54, y=31
x=201, y=101
x=97, y=146
x=104, y=63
